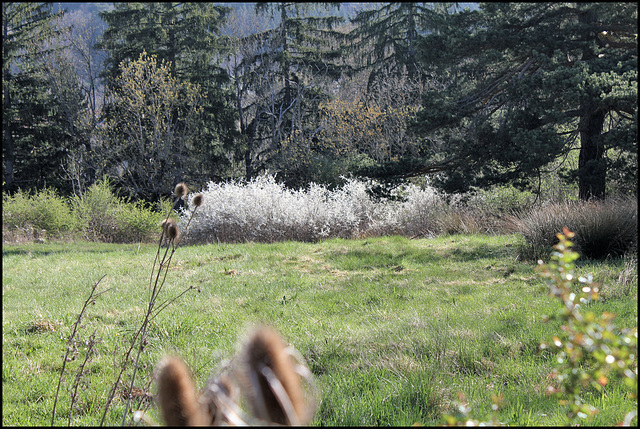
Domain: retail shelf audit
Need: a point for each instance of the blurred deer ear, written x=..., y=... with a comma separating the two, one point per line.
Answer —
x=177, y=394
x=267, y=377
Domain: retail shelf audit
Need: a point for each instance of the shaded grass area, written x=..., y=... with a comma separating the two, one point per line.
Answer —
x=392, y=328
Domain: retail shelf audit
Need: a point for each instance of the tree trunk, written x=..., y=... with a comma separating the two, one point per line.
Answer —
x=592, y=170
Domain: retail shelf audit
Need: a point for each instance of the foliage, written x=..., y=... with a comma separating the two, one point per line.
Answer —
x=591, y=350
x=603, y=228
x=385, y=37
x=296, y=90
x=36, y=133
x=281, y=75
x=148, y=145
x=44, y=210
x=502, y=200
x=266, y=211
x=106, y=217
x=528, y=83
x=186, y=38
x=353, y=128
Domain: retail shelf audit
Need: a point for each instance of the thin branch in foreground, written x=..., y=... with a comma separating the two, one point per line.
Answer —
x=92, y=296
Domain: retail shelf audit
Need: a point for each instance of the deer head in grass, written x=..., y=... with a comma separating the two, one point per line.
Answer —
x=265, y=383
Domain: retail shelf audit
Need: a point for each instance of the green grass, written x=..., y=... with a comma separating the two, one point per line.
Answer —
x=392, y=328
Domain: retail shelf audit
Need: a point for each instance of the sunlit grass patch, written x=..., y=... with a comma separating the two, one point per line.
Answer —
x=405, y=324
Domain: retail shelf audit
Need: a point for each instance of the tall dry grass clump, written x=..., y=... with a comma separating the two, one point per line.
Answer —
x=602, y=228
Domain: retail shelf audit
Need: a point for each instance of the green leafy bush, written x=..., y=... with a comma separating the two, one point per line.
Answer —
x=590, y=348
x=136, y=222
x=602, y=228
x=95, y=210
x=103, y=216
x=43, y=211
x=501, y=200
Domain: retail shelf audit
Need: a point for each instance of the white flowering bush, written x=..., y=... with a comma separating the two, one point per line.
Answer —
x=264, y=210
x=419, y=215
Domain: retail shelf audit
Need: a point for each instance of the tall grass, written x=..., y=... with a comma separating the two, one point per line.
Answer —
x=406, y=324
x=602, y=228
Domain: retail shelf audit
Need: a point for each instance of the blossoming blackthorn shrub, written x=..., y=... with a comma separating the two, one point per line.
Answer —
x=264, y=210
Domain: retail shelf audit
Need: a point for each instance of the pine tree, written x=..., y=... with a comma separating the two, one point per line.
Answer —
x=185, y=36
x=287, y=69
x=36, y=134
x=385, y=38
x=527, y=84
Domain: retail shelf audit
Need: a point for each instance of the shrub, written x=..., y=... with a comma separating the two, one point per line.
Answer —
x=106, y=217
x=95, y=210
x=421, y=212
x=590, y=349
x=501, y=200
x=602, y=228
x=136, y=222
x=266, y=211
x=460, y=218
x=45, y=210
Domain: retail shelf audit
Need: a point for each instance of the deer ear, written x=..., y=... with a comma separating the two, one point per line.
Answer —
x=267, y=377
x=177, y=394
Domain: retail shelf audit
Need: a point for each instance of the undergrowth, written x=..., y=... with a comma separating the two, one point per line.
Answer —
x=589, y=351
x=263, y=210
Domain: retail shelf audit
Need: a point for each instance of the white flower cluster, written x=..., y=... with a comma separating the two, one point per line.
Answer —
x=263, y=210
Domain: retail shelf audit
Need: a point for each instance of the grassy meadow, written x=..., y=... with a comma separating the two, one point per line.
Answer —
x=392, y=328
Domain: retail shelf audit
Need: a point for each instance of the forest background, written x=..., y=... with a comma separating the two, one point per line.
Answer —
x=459, y=96
x=305, y=122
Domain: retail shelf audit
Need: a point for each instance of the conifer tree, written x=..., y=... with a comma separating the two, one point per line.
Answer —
x=287, y=70
x=527, y=84
x=185, y=36
x=35, y=134
x=385, y=38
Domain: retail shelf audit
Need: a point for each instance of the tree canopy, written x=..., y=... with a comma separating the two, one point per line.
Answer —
x=37, y=131
x=186, y=36
x=528, y=83
x=504, y=93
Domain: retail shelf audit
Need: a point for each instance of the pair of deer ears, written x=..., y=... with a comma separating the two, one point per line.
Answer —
x=269, y=375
